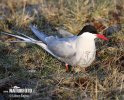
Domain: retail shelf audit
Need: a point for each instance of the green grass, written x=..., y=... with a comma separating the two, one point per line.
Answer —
x=50, y=80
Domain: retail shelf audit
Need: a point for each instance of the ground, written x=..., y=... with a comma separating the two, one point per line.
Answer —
x=27, y=65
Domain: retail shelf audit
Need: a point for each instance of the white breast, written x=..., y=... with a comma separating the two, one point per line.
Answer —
x=86, y=59
x=86, y=52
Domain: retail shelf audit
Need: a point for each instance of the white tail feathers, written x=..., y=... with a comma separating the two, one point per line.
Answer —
x=17, y=36
x=30, y=40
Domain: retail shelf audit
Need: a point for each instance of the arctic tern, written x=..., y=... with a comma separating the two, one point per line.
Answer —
x=75, y=50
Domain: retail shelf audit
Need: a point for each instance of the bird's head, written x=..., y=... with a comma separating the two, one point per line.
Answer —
x=91, y=31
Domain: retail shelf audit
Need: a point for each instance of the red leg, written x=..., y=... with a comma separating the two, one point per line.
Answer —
x=67, y=69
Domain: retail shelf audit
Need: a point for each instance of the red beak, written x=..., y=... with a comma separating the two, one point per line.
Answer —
x=101, y=36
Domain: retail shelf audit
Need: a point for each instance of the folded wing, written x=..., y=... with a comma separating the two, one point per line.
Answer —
x=62, y=47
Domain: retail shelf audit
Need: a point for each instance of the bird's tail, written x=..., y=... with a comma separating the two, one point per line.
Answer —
x=25, y=38
x=38, y=33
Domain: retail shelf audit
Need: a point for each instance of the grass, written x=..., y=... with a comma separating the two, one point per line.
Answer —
x=104, y=79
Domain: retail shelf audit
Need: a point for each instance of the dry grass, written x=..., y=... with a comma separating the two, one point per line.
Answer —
x=104, y=79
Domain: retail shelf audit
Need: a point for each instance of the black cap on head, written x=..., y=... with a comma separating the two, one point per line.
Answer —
x=88, y=28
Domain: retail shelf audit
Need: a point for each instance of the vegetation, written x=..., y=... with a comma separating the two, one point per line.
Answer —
x=34, y=68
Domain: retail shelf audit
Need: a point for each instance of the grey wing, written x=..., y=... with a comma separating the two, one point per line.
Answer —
x=62, y=48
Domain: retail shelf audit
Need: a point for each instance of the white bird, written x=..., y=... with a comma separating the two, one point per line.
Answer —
x=77, y=50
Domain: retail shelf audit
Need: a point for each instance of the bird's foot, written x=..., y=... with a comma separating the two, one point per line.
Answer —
x=67, y=68
x=75, y=69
